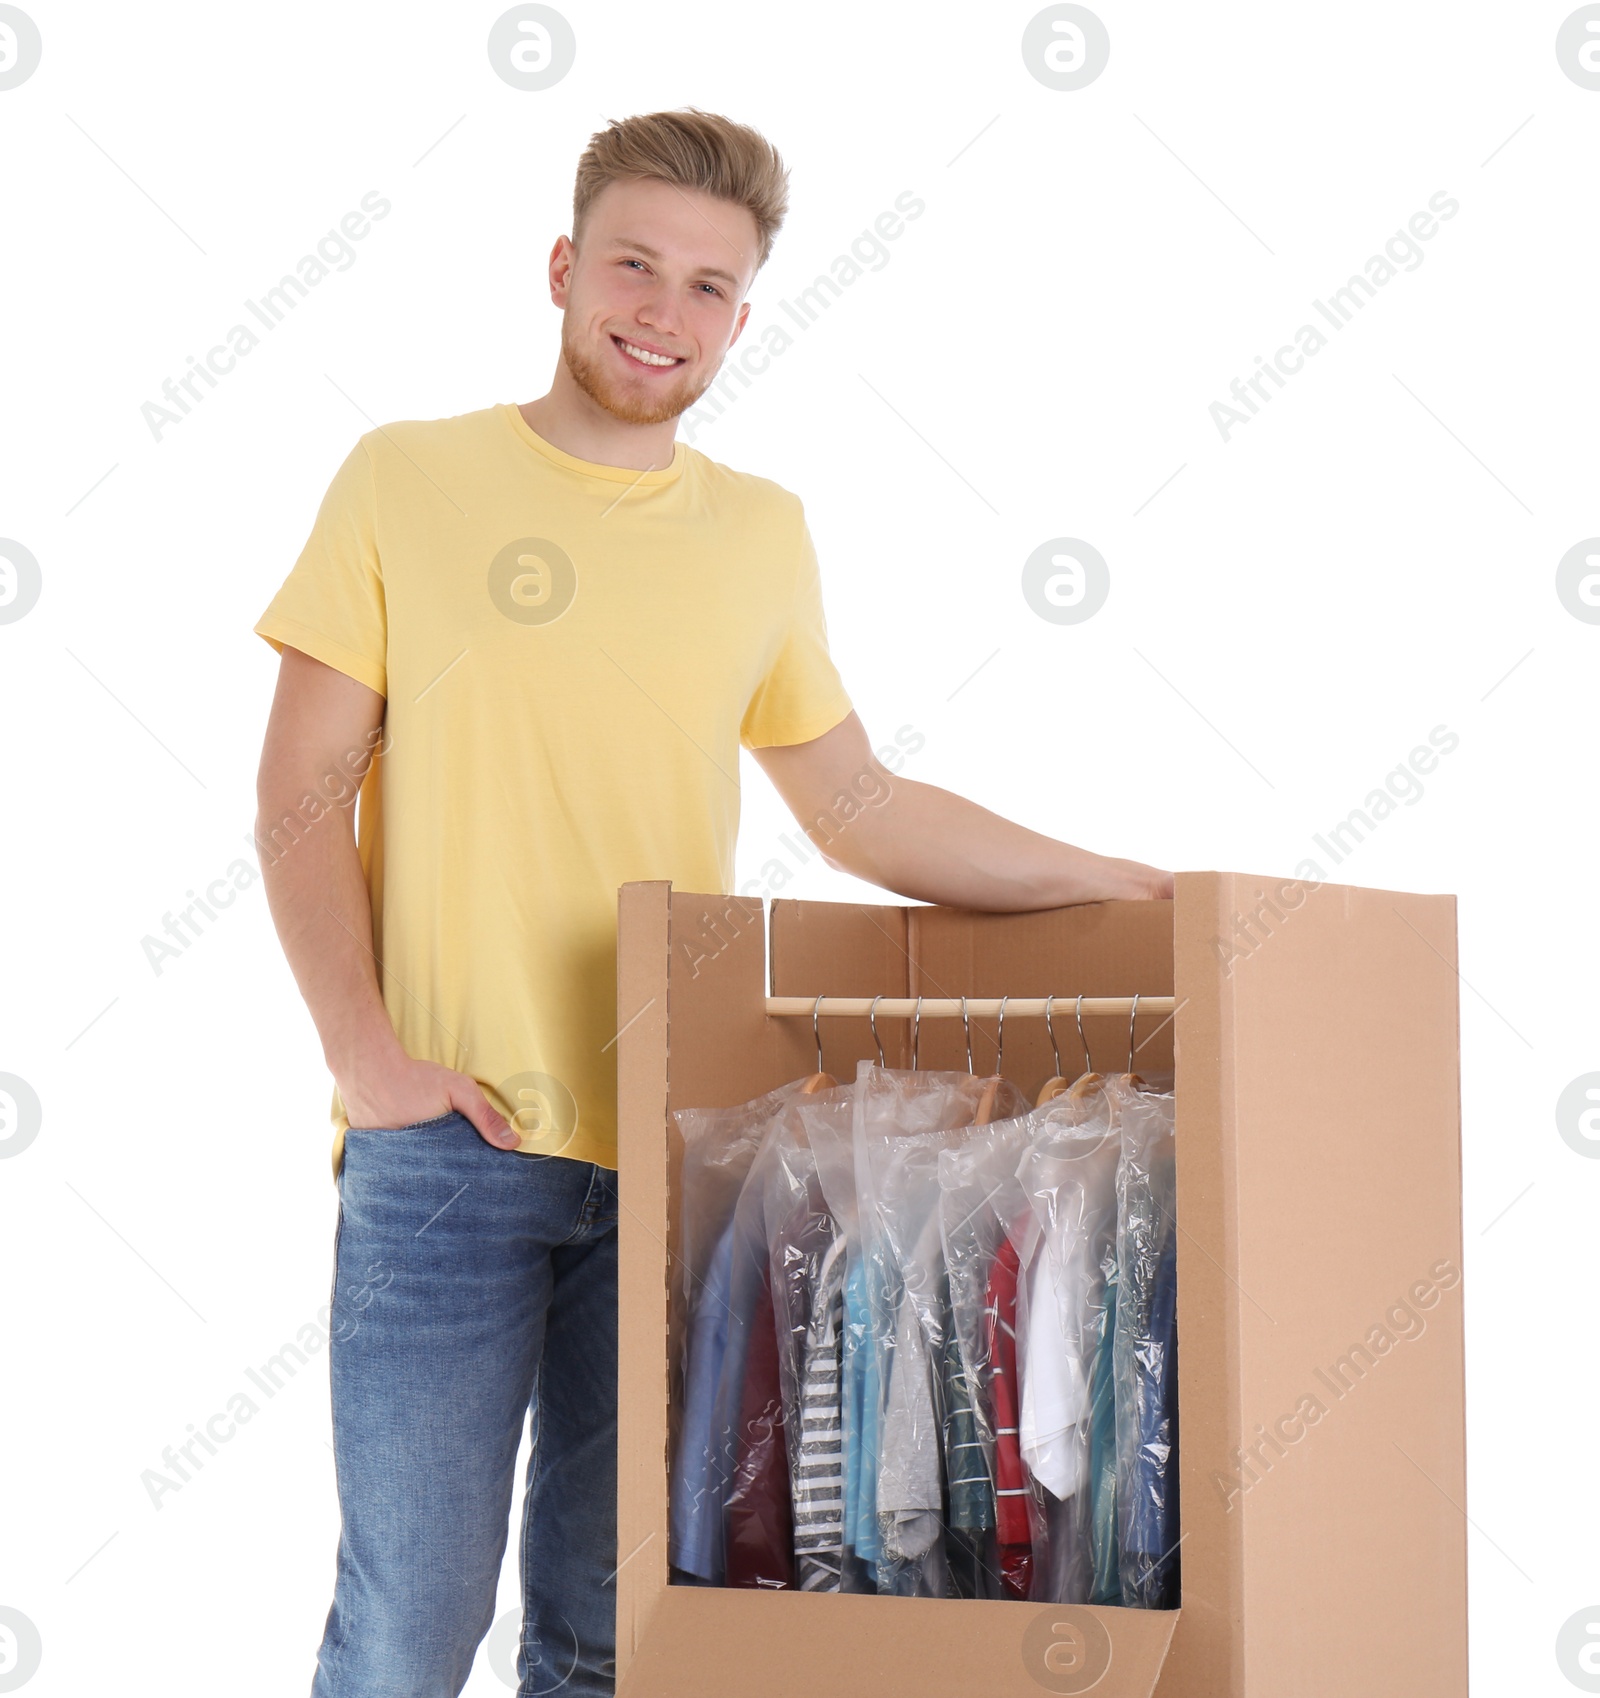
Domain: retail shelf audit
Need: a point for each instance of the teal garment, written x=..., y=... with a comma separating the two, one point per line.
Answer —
x=969, y=1476
x=1106, y=1586
x=971, y=1484
x=862, y=1397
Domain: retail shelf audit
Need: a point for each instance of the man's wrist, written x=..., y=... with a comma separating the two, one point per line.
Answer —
x=359, y=1053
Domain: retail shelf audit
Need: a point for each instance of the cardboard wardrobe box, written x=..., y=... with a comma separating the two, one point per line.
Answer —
x=1322, y=1446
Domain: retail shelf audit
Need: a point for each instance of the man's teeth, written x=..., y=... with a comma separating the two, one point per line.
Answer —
x=647, y=357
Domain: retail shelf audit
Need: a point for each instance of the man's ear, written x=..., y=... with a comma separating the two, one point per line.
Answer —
x=560, y=268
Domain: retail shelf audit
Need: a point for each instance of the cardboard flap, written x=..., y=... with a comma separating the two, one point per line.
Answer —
x=728, y=1644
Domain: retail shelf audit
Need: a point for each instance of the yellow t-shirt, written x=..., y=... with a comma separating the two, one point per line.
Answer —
x=571, y=656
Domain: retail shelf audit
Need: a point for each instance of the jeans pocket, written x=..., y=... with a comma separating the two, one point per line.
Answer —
x=415, y=1125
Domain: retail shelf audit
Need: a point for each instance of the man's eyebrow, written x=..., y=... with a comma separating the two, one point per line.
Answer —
x=650, y=253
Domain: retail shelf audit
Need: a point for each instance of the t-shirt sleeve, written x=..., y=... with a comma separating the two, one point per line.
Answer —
x=331, y=605
x=801, y=695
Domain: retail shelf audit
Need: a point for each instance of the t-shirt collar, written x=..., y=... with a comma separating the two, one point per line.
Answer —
x=590, y=468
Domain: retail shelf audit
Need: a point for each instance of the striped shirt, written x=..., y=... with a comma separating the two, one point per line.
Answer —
x=818, y=1481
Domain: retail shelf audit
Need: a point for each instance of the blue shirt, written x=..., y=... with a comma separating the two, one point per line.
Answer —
x=862, y=1397
x=698, y=1481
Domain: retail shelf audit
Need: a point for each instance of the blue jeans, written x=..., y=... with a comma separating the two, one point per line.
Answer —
x=470, y=1285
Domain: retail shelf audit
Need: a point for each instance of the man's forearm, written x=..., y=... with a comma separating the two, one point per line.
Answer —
x=934, y=846
x=931, y=845
x=323, y=915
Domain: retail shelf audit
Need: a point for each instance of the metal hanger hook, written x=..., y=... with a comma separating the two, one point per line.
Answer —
x=1000, y=1041
x=816, y=1031
x=1050, y=1027
x=1132, y=1021
x=916, y=1034
x=872, y=1020
x=968, y=1025
x=1088, y=1065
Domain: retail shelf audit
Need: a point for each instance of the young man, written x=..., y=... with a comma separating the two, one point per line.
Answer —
x=539, y=636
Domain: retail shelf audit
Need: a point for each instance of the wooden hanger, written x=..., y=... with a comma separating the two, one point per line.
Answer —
x=991, y=1090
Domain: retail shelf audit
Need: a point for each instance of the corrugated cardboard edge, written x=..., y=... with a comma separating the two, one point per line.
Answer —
x=1207, y=1655
x=643, y=1020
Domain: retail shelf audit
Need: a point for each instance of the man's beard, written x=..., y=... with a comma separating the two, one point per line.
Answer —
x=598, y=384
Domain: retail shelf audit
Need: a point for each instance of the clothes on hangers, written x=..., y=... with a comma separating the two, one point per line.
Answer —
x=938, y=1359
x=911, y=1442
x=903, y=1119
x=969, y=1518
x=1105, y=1583
x=1069, y=1173
x=862, y=1400
x=979, y=1196
x=1145, y=1352
x=696, y=1498
x=759, y=1524
x=1150, y=1561
x=807, y=1274
x=711, y=1313
x=818, y=1483
x=785, y=1209
x=1012, y=1526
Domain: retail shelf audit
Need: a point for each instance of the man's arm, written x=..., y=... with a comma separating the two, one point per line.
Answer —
x=321, y=736
x=926, y=843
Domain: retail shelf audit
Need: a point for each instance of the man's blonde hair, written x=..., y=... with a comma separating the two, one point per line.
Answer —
x=693, y=150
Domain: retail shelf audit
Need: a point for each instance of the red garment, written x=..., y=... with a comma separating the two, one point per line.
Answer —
x=1013, y=1531
x=760, y=1514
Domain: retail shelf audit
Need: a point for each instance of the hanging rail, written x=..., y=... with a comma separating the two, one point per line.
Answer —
x=954, y=1007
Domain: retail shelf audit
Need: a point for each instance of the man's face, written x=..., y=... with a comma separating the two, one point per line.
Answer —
x=662, y=273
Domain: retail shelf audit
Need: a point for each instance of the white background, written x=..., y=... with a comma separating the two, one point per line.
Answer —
x=1373, y=556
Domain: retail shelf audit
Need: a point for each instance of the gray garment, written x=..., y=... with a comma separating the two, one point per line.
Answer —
x=911, y=1439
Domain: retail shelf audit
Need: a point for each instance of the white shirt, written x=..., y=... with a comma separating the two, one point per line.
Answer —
x=1070, y=1176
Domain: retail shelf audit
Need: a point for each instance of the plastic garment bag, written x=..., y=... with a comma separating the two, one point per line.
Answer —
x=902, y=1120
x=981, y=1205
x=806, y=1265
x=817, y=1434
x=758, y=1527
x=969, y=1478
x=827, y=1119
x=1106, y=1580
x=782, y=1231
x=910, y=1487
x=1145, y=1349
x=719, y=1148
x=1067, y=1252
x=933, y=1480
